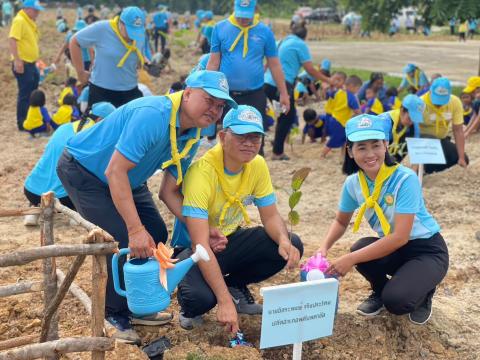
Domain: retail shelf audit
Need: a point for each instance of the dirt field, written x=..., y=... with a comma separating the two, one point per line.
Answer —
x=452, y=197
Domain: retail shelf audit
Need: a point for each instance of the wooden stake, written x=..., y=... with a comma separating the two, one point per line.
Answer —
x=18, y=341
x=55, y=348
x=49, y=266
x=21, y=288
x=99, y=285
x=20, y=212
x=55, y=303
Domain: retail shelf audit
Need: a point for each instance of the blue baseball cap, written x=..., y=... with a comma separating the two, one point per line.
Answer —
x=326, y=64
x=409, y=68
x=440, y=91
x=134, y=19
x=102, y=109
x=365, y=127
x=208, y=15
x=213, y=82
x=79, y=25
x=245, y=8
x=34, y=4
x=415, y=107
x=244, y=119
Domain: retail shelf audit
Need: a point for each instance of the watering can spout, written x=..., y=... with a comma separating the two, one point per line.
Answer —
x=175, y=275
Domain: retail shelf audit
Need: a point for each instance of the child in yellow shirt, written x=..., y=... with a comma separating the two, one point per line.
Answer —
x=66, y=113
x=38, y=119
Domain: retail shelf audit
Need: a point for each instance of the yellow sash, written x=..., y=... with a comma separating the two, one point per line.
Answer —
x=130, y=47
x=243, y=32
x=214, y=157
x=394, y=147
x=63, y=115
x=377, y=107
x=34, y=118
x=439, y=119
x=176, y=99
x=416, y=78
x=371, y=201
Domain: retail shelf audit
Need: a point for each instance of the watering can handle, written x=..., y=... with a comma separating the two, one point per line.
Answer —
x=116, y=279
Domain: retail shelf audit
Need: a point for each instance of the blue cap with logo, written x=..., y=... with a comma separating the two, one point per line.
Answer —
x=245, y=8
x=102, y=109
x=34, y=4
x=208, y=15
x=415, y=106
x=365, y=127
x=79, y=25
x=213, y=82
x=244, y=119
x=326, y=64
x=409, y=68
x=134, y=20
x=440, y=91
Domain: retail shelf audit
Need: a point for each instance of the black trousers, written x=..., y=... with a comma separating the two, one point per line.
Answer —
x=415, y=269
x=451, y=157
x=284, y=121
x=158, y=34
x=251, y=256
x=27, y=82
x=93, y=201
x=35, y=199
x=116, y=98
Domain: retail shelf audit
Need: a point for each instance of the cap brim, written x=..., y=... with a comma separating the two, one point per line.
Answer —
x=366, y=135
x=244, y=14
x=245, y=129
x=439, y=100
x=469, y=89
x=415, y=116
x=136, y=34
x=221, y=95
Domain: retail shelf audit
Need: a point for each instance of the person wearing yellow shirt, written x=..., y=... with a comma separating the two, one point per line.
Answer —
x=217, y=189
x=473, y=88
x=442, y=109
x=23, y=45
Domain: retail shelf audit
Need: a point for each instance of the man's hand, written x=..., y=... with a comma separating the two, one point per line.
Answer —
x=289, y=253
x=285, y=103
x=227, y=315
x=141, y=244
x=462, y=162
x=341, y=266
x=18, y=66
x=218, y=242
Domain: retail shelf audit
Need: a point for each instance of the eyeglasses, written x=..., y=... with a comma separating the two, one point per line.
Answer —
x=252, y=138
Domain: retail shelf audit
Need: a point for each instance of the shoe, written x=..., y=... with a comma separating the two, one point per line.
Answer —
x=422, y=314
x=187, y=323
x=159, y=318
x=244, y=301
x=371, y=306
x=282, y=157
x=30, y=220
x=124, y=332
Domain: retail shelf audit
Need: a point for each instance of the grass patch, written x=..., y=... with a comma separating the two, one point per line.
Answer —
x=389, y=80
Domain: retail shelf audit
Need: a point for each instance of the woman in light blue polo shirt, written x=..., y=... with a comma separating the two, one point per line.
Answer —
x=119, y=50
x=409, y=257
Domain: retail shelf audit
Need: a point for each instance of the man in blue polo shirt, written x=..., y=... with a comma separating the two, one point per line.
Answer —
x=239, y=45
x=160, y=28
x=105, y=169
x=293, y=53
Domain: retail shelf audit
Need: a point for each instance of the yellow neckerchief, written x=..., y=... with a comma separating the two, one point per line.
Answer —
x=439, y=119
x=63, y=115
x=377, y=107
x=210, y=23
x=416, y=77
x=467, y=112
x=394, y=147
x=176, y=99
x=130, y=47
x=29, y=21
x=371, y=201
x=34, y=118
x=88, y=124
x=214, y=157
x=243, y=31
x=66, y=91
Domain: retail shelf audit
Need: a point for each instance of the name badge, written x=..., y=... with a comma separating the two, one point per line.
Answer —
x=447, y=115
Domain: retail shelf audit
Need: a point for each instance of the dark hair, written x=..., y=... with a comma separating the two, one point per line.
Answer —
x=300, y=30
x=354, y=80
x=176, y=86
x=37, y=98
x=325, y=72
x=166, y=53
x=392, y=91
x=370, y=87
x=342, y=74
x=350, y=167
x=374, y=76
x=71, y=81
x=309, y=115
x=69, y=100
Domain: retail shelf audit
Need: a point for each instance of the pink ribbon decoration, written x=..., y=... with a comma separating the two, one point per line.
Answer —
x=317, y=261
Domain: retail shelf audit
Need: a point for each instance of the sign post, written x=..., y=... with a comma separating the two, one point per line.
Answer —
x=425, y=151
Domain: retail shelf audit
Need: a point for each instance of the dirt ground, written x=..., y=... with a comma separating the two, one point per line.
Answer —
x=452, y=197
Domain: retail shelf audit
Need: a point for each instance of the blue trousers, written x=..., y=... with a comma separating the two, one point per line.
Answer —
x=27, y=82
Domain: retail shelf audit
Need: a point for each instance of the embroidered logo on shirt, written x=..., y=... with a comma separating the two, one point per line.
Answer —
x=388, y=199
x=249, y=116
x=364, y=123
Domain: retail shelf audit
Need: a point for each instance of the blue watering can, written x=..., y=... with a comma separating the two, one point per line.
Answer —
x=143, y=290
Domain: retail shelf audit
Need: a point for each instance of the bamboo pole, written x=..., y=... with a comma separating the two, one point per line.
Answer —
x=18, y=341
x=99, y=285
x=20, y=212
x=57, y=347
x=23, y=257
x=49, y=265
x=21, y=288
x=59, y=296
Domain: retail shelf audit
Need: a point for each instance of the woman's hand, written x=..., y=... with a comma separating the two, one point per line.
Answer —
x=341, y=266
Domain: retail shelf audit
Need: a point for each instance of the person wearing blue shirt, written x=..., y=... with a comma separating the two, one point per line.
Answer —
x=105, y=171
x=414, y=79
x=79, y=25
x=472, y=27
x=452, y=23
x=408, y=258
x=119, y=49
x=7, y=12
x=43, y=177
x=239, y=46
x=378, y=84
x=160, y=29
x=204, y=38
x=293, y=53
